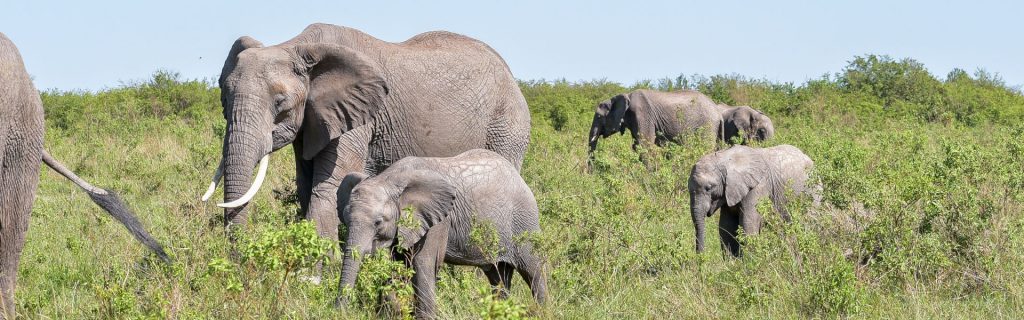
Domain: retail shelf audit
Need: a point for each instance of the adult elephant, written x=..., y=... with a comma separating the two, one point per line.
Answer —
x=735, y=179
x=348, y=102
x=21, y=151
x=657, y=117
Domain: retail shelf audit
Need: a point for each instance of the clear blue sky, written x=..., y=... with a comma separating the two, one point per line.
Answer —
x=100, y=44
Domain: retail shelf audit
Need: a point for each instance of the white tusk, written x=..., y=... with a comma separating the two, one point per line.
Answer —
x=216, y=179
x=262, y=173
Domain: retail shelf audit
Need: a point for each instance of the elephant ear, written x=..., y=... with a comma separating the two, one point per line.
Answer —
x=619, y=106
x=425, y=201
x=345, y=91
x=345, y=192
x=603, y=107
x=742, y=174
x=243, y=43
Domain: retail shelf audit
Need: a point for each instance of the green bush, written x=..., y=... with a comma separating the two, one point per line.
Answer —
x=382, y=277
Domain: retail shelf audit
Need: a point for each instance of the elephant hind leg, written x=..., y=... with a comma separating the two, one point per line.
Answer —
x=500, y=277
x=13, y=223
x=509, y=139
x=532, y=271
x=19, y=178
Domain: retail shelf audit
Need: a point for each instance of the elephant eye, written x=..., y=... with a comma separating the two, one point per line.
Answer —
x=279, y=99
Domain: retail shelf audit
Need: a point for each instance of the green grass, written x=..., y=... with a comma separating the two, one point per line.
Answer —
x=922, y=214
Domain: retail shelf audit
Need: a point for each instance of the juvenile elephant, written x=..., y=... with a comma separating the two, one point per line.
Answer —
x=348, y=102
x=21, y=151
x=430, y=207
x=735, y=179
x=656, y=117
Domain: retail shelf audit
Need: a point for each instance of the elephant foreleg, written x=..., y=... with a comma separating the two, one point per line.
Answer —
x=728, y=227
x=340, y=157
x=329, y=168
x=644, y=141
x=427, y=258
x=303, y=181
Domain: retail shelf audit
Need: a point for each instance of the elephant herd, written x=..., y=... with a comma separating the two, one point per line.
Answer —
x=411, y=146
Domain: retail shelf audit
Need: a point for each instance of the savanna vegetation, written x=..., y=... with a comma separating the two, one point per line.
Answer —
x=922, y=214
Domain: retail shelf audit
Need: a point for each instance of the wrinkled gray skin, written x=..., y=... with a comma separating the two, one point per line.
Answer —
x=656, y=117
x=348, y=102
x=21, y=151
x=446, y=196
x=735, y=179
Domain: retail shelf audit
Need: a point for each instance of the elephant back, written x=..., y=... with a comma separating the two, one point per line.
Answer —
x=794, y=165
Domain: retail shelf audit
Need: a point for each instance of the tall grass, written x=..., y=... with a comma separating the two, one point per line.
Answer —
x=922, y=180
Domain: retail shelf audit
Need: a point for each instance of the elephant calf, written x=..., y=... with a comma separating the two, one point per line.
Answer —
x=656, y=117
x=429, y=207
x=735, y=179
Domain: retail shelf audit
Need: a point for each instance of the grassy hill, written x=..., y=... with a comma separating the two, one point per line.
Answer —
x=923, y=180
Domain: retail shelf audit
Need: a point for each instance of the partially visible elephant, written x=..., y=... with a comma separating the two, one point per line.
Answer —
x=656, y=117
x=430, y=207
x=348, y=102
x=735, y=179
x=21, y=151
x=745, y=123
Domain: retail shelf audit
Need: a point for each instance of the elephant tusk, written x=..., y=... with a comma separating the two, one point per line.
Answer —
x=260, y=175
x=216, y=179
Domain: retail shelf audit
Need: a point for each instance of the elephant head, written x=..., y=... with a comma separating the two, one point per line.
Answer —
x=307, y=93
x=609, y=118
x=389, y=211
x=753, y=123
x=719, y=180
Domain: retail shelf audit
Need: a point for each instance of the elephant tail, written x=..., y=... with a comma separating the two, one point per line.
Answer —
x=113, y=204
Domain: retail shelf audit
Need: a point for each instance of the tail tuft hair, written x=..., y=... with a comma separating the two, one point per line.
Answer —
x=119, y=210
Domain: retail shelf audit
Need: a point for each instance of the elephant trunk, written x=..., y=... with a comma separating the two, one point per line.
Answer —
x=698, y=213
x=245, y=144
x=698, y=225
x=284, y=133
x=595, y=133
x=357, y=246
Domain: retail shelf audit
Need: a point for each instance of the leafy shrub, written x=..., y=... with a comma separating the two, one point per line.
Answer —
x=296, y=246
x=382, y=278
x=494, y=308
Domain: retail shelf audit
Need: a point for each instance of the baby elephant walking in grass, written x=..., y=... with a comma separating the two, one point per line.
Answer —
x=735, y=179
x=430, y=207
